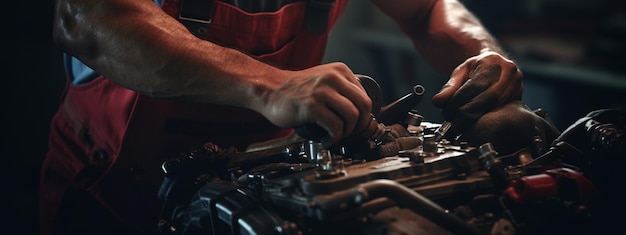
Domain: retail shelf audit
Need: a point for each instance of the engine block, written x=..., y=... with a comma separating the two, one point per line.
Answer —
x=411, y=179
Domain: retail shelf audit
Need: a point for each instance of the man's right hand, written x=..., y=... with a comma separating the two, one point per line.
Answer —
x=327, y=95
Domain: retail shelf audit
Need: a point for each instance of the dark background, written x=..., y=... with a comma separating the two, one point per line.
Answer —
x=33, y=80
x=572, y=53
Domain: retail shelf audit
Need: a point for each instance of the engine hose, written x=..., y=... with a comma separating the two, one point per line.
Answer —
x=403, y=197
x=402, y=143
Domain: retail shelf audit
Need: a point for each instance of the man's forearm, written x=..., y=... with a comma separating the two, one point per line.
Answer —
x=444, y=31
x=137, y=45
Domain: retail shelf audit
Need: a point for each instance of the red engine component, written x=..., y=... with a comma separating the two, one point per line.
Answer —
x=563, y=183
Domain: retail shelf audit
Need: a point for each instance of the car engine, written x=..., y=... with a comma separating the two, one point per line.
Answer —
x=410, y=176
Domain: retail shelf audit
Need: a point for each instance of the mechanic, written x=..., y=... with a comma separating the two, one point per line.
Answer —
x=147, y=81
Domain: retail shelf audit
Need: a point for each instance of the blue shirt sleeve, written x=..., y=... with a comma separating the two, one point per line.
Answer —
x=77, y=72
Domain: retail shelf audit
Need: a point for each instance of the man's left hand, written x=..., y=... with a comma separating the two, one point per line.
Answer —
x=478, y=85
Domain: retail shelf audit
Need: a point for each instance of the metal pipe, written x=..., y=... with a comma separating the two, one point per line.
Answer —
x=402, y=196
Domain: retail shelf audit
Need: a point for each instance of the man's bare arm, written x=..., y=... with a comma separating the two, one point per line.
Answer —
x=137, y=45
x=444, y=31
x=454, y=41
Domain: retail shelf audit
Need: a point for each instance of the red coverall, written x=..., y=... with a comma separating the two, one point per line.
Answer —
x=107, y=142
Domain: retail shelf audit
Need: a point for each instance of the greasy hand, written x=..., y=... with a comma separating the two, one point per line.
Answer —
x=328, y=95
x=475, y=87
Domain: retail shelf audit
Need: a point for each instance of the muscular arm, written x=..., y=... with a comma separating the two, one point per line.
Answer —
x=137, y=45
x=443, y=31
x=455, y=43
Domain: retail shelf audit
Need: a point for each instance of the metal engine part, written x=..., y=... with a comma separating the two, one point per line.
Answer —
x=410, y=179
